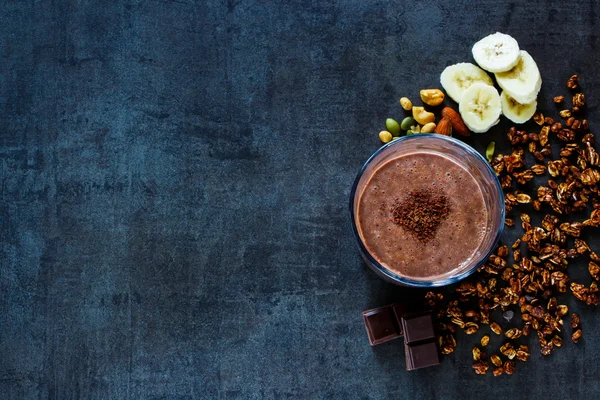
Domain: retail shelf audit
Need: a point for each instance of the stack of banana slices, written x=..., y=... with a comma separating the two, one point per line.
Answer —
x=471, y=87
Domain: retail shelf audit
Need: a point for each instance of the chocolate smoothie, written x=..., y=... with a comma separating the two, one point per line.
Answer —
x=422, y=216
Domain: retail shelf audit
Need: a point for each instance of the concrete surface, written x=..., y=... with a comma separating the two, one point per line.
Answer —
x=174, y=185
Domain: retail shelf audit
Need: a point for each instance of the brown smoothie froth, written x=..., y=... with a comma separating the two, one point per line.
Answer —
x=390, y=204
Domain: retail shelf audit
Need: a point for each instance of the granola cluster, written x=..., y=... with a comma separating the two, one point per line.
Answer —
x=528, y=284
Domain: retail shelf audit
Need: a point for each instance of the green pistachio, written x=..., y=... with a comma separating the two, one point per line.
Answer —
x=392, y=126
x=489, y=152
x=407, y=123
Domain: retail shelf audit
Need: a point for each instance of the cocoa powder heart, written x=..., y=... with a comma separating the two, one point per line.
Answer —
x=421, y=213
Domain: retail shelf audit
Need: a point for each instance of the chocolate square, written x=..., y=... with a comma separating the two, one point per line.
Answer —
x=421, y=355
x=381, y=325
x=399, y=310
x=417, y=327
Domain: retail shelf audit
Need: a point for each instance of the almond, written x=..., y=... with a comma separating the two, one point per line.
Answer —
x=444, y=127
x=458, y=126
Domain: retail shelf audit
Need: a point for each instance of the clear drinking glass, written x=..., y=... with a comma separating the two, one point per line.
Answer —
x=465, y=156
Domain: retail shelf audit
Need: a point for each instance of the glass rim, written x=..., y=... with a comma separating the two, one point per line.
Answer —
x=398, y=279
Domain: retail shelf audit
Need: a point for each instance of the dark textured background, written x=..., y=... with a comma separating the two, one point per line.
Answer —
x=174, y=184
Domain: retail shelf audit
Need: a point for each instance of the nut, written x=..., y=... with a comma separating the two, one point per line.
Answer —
x=538, y=118
x=432, y=97
x=559, y=99
x=428, y=128
x=578, y=100
x=444, y=127
x=458, y=126
x=421, y=116
x=385, y=136
x=405, y=103
x=407, y=123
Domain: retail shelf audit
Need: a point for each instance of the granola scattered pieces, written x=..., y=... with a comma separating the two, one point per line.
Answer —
x=524, y=286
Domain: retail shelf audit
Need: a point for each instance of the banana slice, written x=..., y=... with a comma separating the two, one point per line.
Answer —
x=458, y=77
x=515, y=111
x=480, y=107
x=523, y=81
x=497, y=52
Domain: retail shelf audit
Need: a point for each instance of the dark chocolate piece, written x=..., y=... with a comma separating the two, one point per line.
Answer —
x=417, y=327
x=381, y=325
x=399, y=310
x=421, y=355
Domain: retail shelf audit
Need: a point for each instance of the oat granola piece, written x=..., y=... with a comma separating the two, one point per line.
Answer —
x=496, y=360
x=577, y=335
x=480, y=367
x=496, y=328
x=509, y=367
x=485, y=340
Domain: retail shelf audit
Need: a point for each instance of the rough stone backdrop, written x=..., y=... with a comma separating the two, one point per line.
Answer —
x=174, y=184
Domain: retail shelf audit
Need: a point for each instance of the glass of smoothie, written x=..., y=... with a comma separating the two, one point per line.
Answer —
x=427, y=210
